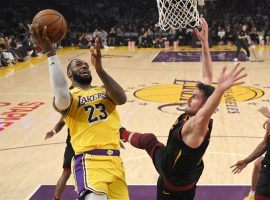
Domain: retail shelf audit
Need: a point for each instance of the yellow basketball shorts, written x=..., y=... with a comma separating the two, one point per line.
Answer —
x=100, y=174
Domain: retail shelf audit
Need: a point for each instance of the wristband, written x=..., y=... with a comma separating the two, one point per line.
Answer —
x=54, y=131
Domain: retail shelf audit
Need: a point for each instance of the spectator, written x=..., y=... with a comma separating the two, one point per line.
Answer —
x=159, y=42
x=84, y=41
x=221, y=36
x=254, y=37
x=230, y=37
x=111, y=37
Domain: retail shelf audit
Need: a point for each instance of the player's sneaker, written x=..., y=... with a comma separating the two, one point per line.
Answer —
x=235, y=59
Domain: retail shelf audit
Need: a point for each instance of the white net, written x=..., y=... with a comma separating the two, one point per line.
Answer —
x=177, y=14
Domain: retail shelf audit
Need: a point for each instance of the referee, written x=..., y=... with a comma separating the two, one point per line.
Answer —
x=242, y=42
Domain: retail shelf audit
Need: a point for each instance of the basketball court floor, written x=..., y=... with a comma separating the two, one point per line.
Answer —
x=157, y=83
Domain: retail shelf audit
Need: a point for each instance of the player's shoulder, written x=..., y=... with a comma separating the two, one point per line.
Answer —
x=74, y=90
x=99, y=88
x=77, y=90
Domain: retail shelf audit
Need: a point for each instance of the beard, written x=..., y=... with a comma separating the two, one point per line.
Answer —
x=189, y=111
x=82, y=79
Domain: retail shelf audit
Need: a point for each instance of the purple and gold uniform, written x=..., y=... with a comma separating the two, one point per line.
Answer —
x=94, y=129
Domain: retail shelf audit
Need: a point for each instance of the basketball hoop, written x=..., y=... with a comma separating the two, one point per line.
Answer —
x=178, y=13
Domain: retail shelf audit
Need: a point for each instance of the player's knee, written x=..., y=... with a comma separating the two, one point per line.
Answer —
x=66, y=171
x=150, y=143
x=147, y=140
x=257, y=164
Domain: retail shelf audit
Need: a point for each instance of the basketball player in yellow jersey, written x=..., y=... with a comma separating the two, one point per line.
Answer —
x=90, y=114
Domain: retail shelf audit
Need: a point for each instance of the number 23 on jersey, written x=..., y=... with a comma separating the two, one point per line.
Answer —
x=97, y=112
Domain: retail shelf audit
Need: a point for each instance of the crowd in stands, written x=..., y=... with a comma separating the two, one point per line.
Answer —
x=118, y=22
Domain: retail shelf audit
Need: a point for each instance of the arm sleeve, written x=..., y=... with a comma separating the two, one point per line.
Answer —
x=59, y=84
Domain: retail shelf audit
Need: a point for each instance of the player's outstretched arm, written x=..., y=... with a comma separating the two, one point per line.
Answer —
x=259, y=150
x=198, y=124
x=225, y=81
x=207, y=68
x=115, y=91
x=58, y=127
x=57, y=78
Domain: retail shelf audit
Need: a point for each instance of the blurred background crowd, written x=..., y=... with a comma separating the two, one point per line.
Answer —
x=118, y=22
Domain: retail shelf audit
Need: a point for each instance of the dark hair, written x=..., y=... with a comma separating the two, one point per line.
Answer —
x=69, y=65
x=207, y=90
x=74, y=60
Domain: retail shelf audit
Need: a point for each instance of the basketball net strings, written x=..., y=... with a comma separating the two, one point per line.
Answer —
x=178, y=14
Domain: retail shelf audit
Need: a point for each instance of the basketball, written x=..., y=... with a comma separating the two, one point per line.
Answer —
x=55, y=22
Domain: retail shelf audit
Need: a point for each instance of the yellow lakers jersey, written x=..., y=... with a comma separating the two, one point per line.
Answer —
x=93, y=120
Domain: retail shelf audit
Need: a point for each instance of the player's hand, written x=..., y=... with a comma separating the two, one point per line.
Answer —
x=265, y=111
x=237, y=167
x=203, y=34
x=49, y=135
x=227, y=80
x=41, y=38
x=96, y=54
x=266, y=125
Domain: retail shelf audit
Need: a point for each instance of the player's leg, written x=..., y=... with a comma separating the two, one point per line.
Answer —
x=245, y=46
x=89, y=176
x=106, y=174
x=238, y=46
x=146, y=141
x=263, y=186
x=118, y=190
x=61, y=183
x=165, y=194
x=256, y=173
x=255, y=178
